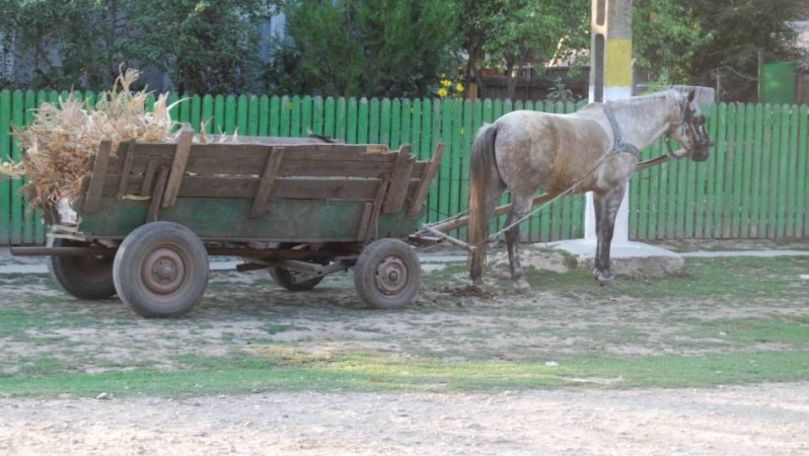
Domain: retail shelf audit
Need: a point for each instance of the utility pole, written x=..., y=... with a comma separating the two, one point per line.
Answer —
x=610, y=79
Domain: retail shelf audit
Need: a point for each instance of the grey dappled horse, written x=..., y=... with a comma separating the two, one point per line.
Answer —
x=593, y=149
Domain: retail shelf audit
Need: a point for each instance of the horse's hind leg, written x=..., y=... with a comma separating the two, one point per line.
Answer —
x=520, y=205
x=606, y=208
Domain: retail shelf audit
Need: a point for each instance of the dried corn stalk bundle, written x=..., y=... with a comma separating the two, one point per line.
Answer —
x=59, y=144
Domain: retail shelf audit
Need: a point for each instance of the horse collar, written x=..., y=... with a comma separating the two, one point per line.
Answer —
x=618, y=146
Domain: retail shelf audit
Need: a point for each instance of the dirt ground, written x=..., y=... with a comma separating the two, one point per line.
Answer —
x=717, y=307
x=755, y=420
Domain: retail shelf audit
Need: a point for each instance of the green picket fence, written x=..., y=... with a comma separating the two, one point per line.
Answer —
x=754, y=185
x=758, y=191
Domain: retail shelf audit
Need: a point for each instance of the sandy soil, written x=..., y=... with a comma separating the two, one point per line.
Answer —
x=755, y=420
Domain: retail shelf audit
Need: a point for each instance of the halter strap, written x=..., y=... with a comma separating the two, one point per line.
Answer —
x=618, y=146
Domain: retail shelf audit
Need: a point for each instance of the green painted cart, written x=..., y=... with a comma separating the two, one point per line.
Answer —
x=150, y=214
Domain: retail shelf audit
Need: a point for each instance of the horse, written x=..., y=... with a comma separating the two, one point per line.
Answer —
x=594, y=149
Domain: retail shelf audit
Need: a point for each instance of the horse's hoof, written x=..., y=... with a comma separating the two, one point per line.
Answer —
x=605, y=278
x=521, y=286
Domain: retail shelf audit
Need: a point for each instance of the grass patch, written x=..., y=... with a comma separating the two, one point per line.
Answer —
x=761, y=330
x=372, y=372
x=741, y=278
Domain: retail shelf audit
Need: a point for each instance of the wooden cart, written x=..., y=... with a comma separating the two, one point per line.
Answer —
x=150, y=214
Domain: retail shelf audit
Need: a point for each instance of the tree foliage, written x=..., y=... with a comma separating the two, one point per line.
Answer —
x=739, y=29
x=513, y=34
x=68, y=43
x=667, y=34
x=205, y=45
x=368, y=47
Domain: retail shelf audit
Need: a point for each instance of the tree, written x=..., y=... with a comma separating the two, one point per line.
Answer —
x=206, y=46
x=69, y=44
x=667, y=34
x=739, y=30
x=368, y=47
x=513, y=34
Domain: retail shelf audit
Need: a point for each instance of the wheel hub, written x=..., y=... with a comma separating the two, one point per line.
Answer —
x=391, y=275
x=163, y=271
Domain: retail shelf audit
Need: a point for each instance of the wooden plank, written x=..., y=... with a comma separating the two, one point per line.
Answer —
x=148, y=176
x=367, y=120
x=93, y=197
x=457, y=152
x=787, y=187
x=467, y=135
x=400, y=179
x=231, y=106
x=227, y=219
x=329, y=118
x=342, y=117
x=207, y=115
x=379, y=199
x=252, y=116
x=317, y=115
x=5, y=155
x=426, y=180
x=178, y=167
x=746, y=177
x=728, y=197
x=295, y=117
x=246, y=187
x=264, y=116
x=267, y=181
x=802, y=229
x=28, y=214
x=365, y=222
x=218, y=123
x=395, y=123
x=773, y=165
x=157, y=196
x=275, y=116
x=126, y=165
x=426, y=148
x=196, y=112
x=444, y=116
x=758, y=172
x=733, y=229
x=351, y=121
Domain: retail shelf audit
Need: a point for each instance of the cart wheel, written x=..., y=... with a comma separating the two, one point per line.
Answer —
x=387, y=274
x=283, y=277
x=85, y=277
x=161, y=270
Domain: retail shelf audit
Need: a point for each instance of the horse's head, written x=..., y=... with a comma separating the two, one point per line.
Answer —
x=688, y=129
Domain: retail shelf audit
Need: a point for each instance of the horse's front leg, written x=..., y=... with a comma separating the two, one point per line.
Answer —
x=606, y=208
x=519, y=208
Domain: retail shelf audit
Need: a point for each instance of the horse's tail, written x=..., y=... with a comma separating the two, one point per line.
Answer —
x=482, y=176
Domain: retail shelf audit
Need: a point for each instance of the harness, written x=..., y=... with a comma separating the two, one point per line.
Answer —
x=618, y=145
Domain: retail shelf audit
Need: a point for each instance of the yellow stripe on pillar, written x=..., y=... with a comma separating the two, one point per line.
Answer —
x=618, y=62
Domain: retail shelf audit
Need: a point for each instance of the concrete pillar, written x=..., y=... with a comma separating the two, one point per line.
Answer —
x=610, y=79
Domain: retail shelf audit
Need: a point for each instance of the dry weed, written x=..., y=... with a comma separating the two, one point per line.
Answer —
x=59, y=145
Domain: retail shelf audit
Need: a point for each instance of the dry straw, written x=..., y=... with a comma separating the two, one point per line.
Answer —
x=59, y=145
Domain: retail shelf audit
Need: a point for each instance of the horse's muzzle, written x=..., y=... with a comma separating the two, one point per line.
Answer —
x=701, y=151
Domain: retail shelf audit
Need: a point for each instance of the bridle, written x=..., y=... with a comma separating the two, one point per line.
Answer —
x=695, y=129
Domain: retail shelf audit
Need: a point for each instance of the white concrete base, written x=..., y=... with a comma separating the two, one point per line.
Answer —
x=629, y=259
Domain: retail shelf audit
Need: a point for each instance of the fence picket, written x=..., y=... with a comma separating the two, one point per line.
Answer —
x=754, y=185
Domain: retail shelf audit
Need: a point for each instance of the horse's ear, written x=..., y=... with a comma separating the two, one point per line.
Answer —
x=691, y=94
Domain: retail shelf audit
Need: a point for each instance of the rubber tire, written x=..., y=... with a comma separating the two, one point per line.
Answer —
x=283, y=278
x=85, y=277
x=366, y=269
x=131, y=256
